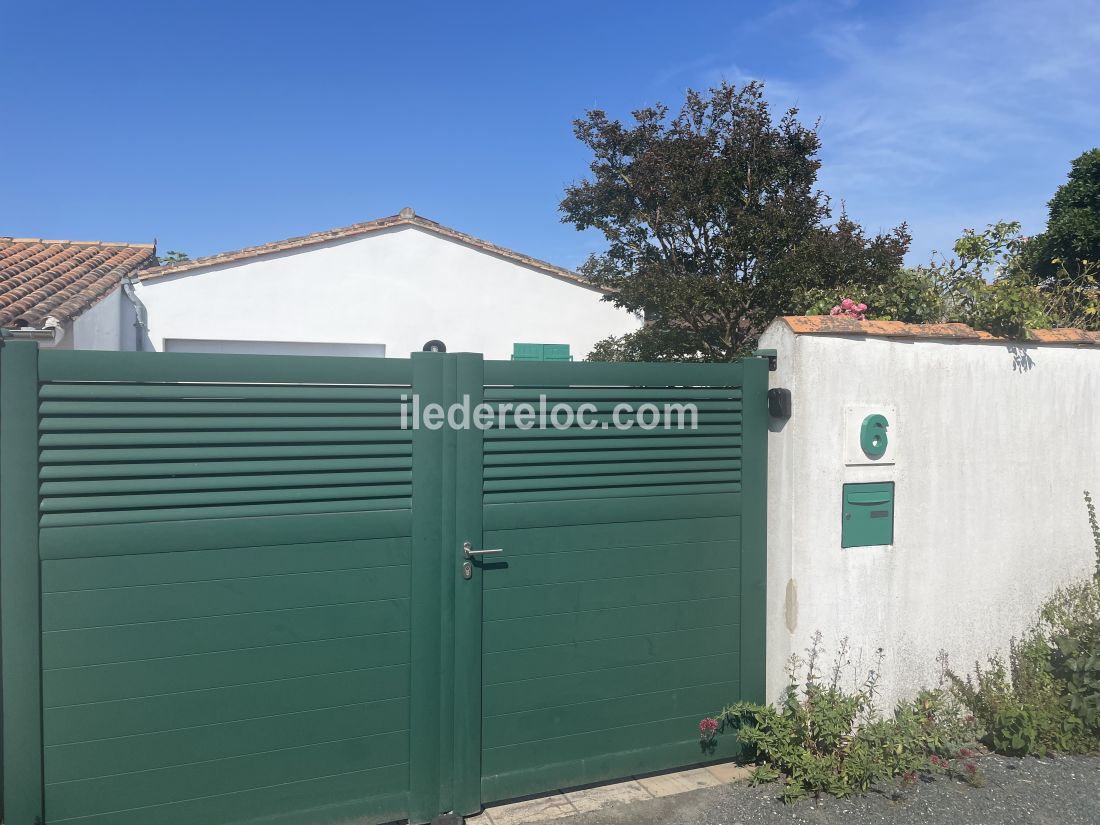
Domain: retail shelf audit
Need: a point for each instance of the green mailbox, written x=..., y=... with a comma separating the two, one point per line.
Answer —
x=868, y=517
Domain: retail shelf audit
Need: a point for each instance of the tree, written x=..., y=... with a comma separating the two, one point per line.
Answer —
x=714, y=223
x=988, y=286
x=1072, y=235
x=172, y=256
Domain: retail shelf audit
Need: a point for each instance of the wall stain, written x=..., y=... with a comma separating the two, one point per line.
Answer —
x=791, y=605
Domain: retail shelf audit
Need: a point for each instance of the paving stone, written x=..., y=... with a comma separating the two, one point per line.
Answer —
x=727, y=772
x=604, y=796
x=531, y=810
x=682, y=782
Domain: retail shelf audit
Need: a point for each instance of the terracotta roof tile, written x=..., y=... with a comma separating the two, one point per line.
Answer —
x=60, y=279
x=832, y=325
x=404, y=218
x=1065, y=335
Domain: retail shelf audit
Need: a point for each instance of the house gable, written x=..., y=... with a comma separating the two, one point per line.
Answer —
x=405, y=218
x=398, y=286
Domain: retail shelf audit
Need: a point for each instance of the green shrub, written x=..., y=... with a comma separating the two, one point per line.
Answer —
x=909, y=295
x=823, y=738
x=1009, y=307
x=1018, y=705
x=1071, y=622
x=1094, y=525
x=1046, y=698
x=1075, y=663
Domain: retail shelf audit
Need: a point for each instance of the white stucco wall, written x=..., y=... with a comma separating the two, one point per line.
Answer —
x=107, y=325
x=400, y=288
x=993, y=447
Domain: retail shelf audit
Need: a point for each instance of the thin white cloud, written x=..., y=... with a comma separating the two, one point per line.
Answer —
x=956, y=112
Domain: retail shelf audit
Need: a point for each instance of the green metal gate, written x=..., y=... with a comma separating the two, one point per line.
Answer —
x=233, y=588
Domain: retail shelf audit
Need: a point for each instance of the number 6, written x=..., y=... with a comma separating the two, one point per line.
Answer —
x=872, y=435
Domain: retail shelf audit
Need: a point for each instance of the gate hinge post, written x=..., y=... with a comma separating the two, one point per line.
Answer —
x=772, y=356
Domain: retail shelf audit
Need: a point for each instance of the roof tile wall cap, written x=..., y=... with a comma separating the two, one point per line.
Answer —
x=832, y=325
x=9, y=239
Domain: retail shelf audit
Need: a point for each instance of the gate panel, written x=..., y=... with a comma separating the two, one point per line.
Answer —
x=225, y=573
x=617, y=616
x=233, y=587
x=19, y=591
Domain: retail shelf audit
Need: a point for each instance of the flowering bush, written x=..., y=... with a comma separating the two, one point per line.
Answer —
x=849, y=309
x=823, y=738
x=707, y=730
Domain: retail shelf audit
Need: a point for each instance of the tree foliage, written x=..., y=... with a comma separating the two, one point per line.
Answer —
x=1072, y=236
x=987, y=283
x=172, y=256
x=714, y=225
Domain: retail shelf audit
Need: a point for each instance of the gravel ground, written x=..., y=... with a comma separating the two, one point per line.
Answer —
x=1063, y=791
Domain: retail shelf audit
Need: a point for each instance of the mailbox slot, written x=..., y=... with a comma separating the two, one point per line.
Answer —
x=868, y=515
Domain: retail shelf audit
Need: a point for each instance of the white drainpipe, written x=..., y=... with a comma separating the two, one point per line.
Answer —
x=141, y=315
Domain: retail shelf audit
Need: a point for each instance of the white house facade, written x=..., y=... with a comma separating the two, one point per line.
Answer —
x=382, y=288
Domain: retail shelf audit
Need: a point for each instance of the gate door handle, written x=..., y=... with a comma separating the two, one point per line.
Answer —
x=469, y=553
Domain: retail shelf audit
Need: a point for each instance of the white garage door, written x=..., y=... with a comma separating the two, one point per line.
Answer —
x=273, y=347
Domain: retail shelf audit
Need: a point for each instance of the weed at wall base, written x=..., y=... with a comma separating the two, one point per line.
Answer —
x=1046, y=697
x=822, y=738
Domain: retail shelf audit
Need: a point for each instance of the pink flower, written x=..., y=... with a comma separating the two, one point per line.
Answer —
x=708, y=727
x=848, y=308
x=970, y=768
x=965, y=753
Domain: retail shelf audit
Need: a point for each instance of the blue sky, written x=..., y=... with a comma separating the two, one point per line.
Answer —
x=215, y=125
